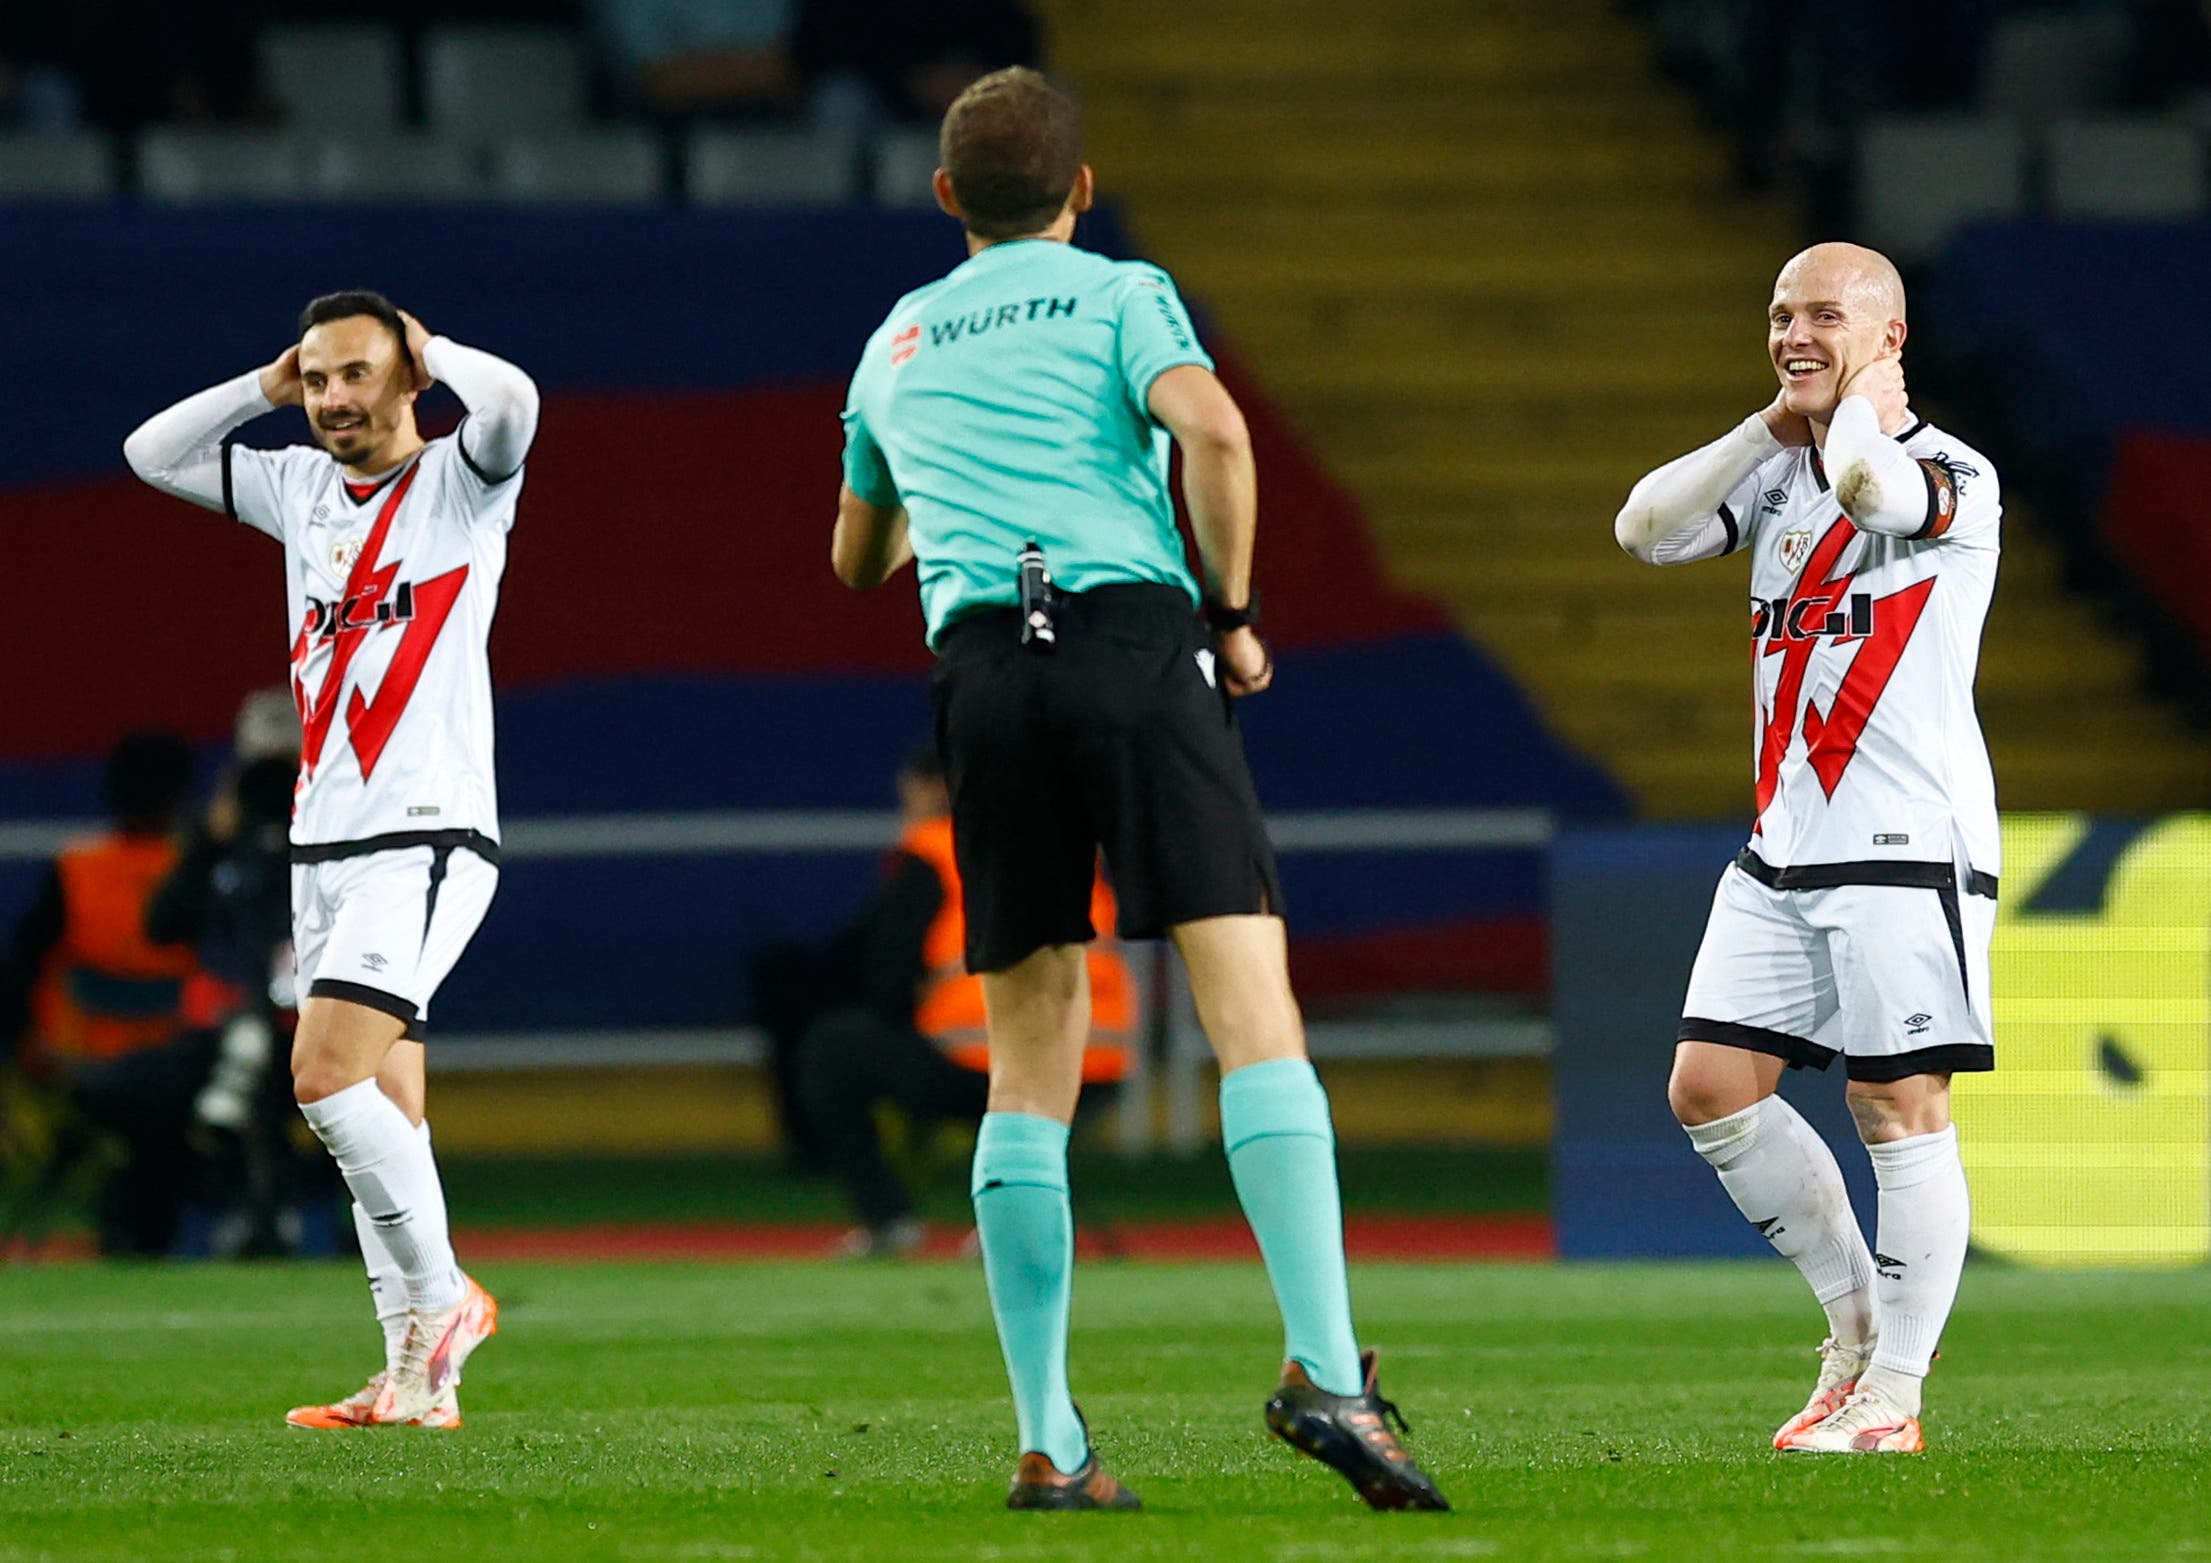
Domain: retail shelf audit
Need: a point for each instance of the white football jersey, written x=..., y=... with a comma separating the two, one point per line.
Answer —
x=391, y=587
x=1866, y=746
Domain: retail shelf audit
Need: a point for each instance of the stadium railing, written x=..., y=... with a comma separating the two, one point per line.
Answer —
x=1163, y=1103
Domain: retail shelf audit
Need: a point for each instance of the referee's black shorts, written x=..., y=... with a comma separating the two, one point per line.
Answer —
x=1117, y=739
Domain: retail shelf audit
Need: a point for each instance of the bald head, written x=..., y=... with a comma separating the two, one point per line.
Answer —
x=1836, y=308
x=1845, y=271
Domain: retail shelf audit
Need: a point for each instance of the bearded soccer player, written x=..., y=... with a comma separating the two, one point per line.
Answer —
x=393, y=549
x=1857, y=921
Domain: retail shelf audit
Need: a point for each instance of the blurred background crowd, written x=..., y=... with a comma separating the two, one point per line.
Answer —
x=1473, y=267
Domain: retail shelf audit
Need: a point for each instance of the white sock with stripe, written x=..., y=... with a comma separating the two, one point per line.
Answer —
x=387, y=1287
x=386, y=1163
x=1784, y=1180
x=1926, y=1219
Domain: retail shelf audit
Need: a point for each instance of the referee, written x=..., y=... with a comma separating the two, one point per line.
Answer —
x=1008, y=430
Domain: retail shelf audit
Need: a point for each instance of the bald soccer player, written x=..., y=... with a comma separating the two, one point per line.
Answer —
x=1857, y=920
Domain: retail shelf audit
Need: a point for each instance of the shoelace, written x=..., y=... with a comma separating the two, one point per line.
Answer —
x=1390, y=1413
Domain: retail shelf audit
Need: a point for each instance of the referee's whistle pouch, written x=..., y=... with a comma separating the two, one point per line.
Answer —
x=1039, y=631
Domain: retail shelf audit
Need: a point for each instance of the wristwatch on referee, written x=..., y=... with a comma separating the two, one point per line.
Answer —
x=1221, y=618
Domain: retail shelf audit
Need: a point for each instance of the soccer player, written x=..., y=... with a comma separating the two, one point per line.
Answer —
x=393, y=548
x=1030, y=396
x=1857, y=921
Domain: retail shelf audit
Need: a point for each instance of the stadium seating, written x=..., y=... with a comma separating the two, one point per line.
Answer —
x=335, y=75
x=221, y=165
x=483, y=82
x=395, y=167
x=586, y=168
x=56, y=168
x=2125, y=169
x=904, y=162
x=770, y=167
x=2044, y=64
x=1920, y=178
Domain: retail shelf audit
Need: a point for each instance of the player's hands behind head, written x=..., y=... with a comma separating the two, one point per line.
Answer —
x=1881, y=382
x=418, y=339
x=1245, y=665
x=280, y=380
x=1789, y=426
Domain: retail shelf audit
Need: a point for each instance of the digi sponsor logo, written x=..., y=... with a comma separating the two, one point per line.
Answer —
x=904, y=346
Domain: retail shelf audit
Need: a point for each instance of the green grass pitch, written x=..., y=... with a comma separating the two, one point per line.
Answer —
x=819, y=1412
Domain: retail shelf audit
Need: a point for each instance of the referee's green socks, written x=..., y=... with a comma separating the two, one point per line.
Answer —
x=1027, y=1231
x=1282, y=1154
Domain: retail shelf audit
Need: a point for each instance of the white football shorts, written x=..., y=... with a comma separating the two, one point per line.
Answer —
x=1894, y=977
x=383, y=929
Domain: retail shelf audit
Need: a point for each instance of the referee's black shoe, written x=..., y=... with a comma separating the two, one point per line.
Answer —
x=1351, y=1434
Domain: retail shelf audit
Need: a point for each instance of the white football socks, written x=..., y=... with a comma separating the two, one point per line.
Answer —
x=386, y=1163
x=1784, y=1180
x=1925, y=1220
x=387, y=1287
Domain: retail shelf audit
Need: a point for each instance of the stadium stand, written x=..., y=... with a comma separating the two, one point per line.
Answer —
x=491, y=81
x=50, y=168
x=771, y=166
x=335, y=74
x=690, y=415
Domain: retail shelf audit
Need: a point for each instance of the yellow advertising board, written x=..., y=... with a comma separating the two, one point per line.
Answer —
x=2091, y=1143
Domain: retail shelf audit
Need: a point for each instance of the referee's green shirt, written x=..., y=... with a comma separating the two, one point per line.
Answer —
x=1007, y=401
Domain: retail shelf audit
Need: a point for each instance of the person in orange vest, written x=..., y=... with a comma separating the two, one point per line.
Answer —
x=81, y=985
x=917, y=1036
x=80, y=982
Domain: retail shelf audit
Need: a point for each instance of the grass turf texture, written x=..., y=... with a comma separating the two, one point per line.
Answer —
x=819, y=1412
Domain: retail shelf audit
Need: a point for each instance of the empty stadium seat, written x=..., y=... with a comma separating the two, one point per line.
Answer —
x=220, y=165
x=2045, y=64
x=904, y=162
x=1921, y=178
x=602, y=168
x=395, y=168
x=2125, y=168
x=48, y=168
x=496, y=81
x=331, y=76
x=772, y=168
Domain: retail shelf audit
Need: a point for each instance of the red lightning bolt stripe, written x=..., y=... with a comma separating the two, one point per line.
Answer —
x=1831, y=740
x=364, y=588
x=1815, y=594
x=369, y=727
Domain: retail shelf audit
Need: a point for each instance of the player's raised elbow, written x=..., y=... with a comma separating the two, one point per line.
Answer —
x=139, y=454
x=1633, y=530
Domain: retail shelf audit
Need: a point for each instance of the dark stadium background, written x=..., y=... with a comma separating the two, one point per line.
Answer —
x=1472, y=268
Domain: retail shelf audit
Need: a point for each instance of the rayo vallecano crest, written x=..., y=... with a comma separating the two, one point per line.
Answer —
x=1796, y=547
x=344, y=552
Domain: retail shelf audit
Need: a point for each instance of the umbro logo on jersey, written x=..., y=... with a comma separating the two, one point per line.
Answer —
x=374, y=962
x=1796, y=547
x=322, y=513
x=1775, y=498
x=1917, y=1024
